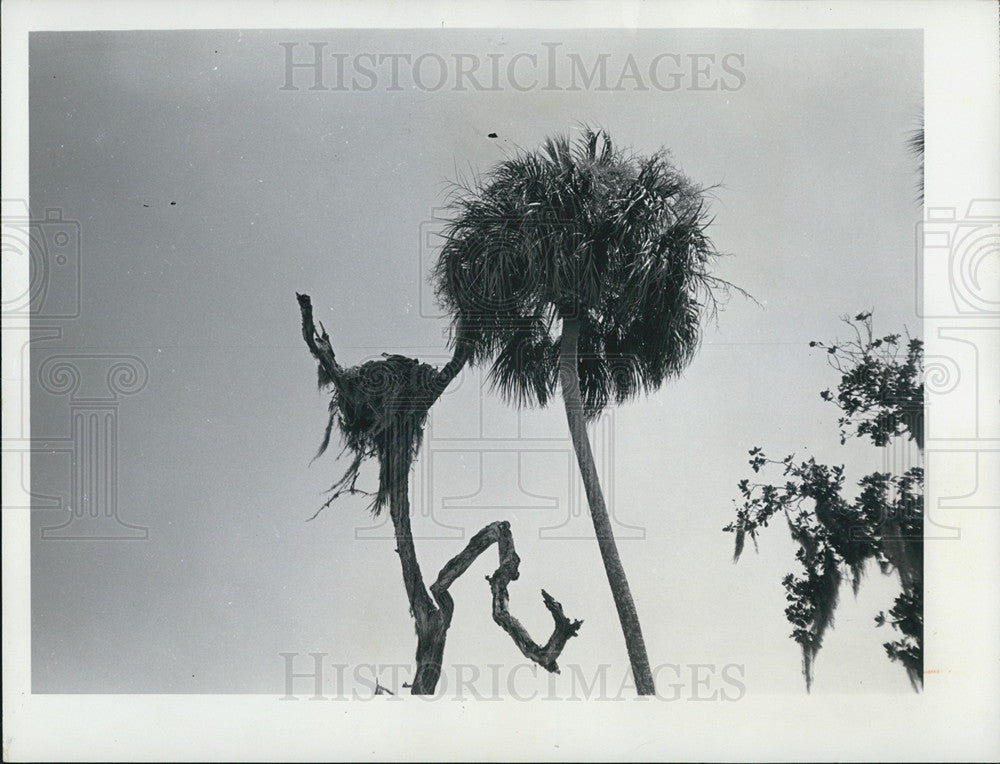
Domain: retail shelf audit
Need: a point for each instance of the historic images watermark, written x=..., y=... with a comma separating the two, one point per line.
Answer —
x=318, y=66
x=313, y=677
x=43, y=258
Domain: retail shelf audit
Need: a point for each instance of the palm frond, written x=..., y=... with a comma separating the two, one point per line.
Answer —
x=580, y=229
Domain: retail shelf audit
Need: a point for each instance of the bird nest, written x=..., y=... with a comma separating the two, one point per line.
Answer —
x=380, y=409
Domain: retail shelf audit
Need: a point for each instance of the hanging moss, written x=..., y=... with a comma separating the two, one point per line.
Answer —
x=881, y=397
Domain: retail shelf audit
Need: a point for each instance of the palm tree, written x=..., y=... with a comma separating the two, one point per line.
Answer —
x=584, y=266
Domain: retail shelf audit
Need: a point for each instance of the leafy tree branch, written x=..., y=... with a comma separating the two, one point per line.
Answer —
x=881, y=397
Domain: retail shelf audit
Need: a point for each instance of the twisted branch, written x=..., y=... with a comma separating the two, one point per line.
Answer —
x=499, y=532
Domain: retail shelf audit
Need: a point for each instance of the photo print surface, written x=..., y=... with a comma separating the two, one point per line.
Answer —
x=709, y=207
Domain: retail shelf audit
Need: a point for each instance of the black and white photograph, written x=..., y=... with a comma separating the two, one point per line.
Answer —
x=544, y=380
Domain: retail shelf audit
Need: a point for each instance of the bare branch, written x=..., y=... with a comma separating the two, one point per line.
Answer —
x=499, y=532
x=319, y=343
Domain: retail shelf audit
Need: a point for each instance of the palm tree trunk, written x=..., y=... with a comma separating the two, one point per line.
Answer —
x=570, y=382
x=431, y=622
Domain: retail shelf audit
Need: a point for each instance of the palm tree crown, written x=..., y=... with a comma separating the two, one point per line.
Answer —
x=579, y=230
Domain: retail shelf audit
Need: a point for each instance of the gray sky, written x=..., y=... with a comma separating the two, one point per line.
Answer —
x=329, y=192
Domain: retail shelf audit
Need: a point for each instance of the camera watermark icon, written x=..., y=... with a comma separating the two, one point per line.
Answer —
x=313, y=677
x=95, y=384
x=41, y=263
x=962, y=252
x=505, y=442
x=498, y=460
x=520, y=281
x=432, y=233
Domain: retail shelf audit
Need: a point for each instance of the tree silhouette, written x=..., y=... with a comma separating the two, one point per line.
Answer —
x=380, y=409
x=880, y=395
x=584, y=266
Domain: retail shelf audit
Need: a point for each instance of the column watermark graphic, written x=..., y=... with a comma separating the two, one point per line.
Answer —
x=94, y=385
x=43, y=295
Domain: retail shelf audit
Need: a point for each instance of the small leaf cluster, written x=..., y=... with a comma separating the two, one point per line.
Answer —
x=881, y=389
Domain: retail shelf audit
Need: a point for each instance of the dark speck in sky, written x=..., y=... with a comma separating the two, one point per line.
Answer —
x=492, y=135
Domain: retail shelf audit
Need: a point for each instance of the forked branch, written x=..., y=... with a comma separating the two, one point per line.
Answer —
x=499, y=532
